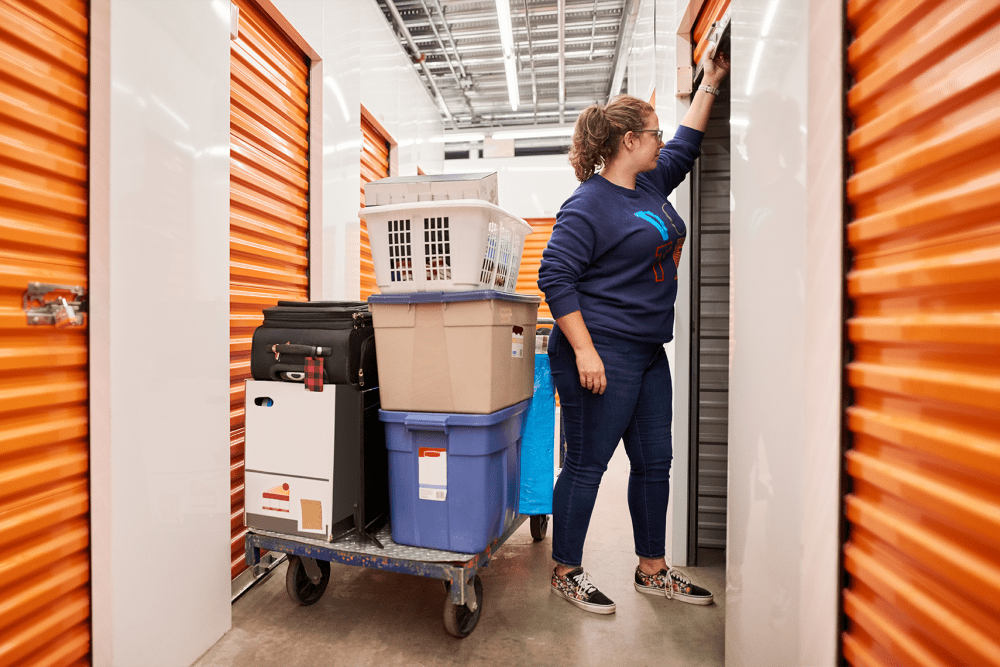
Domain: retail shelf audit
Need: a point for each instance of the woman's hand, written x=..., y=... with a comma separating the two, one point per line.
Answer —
x=716, y=69
x=591, y=368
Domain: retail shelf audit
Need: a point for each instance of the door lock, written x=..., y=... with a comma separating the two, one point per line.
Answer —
x=58, y=310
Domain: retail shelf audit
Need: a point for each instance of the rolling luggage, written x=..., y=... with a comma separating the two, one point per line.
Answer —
x=338, y=332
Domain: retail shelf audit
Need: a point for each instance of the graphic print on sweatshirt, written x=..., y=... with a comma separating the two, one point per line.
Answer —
x=665, y=249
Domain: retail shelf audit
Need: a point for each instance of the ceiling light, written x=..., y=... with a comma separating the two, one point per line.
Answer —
x=507, y=41
x=534, y=133
x=457, y=137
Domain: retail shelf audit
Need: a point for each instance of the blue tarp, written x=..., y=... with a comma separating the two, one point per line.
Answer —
x=537, y=462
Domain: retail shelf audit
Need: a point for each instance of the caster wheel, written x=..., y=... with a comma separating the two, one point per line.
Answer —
x=539, y=526
x=298, y=584
x=459, y=619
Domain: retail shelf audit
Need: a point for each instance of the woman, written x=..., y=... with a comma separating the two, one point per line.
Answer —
x=609, y=274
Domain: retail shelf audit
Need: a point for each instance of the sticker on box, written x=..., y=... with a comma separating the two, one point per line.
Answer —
x=432, y=466
x=312, y=516
x=432, y=493
x=517, y=343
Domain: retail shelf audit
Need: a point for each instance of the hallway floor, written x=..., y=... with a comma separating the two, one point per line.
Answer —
x=374, y=618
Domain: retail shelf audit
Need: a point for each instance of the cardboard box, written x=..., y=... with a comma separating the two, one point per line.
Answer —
x=408, y=189
x=455, y=352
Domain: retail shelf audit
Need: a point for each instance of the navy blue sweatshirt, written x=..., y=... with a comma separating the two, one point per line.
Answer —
x=613, y=253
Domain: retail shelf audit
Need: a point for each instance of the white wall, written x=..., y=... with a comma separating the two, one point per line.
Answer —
x=785, y=335
x=159, y=330
x=159, y=287
x=529, y=187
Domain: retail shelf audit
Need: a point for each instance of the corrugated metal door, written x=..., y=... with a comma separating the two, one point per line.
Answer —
x=44, y=459
x=374, y=165
x=531, y=260
x=709, y=248
x=922, y=558
x=269, y=205
x=711, y=12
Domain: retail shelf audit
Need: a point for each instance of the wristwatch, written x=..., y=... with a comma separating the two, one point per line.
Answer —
x=709, y=89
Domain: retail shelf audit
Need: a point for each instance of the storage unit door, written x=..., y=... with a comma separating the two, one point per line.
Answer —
x=711, y=11
x=44, y=445
x=709, y=248
x=374, y=165
x=922, y=557
x=531, y=260
x=269, y=205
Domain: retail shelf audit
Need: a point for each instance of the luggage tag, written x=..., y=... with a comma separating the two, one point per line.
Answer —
x=314, y=374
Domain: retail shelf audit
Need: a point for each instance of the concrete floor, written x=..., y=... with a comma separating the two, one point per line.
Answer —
x=370, y=617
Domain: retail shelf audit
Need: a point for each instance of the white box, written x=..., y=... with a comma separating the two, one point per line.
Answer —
x=303, y=457
x=445, y=246
x=441, y=187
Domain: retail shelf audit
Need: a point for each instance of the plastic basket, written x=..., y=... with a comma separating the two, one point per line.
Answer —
x=445, y=246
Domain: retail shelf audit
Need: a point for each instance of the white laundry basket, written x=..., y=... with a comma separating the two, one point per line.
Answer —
x=445, y=246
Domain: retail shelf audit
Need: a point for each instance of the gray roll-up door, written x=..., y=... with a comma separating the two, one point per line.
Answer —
x=709, y=239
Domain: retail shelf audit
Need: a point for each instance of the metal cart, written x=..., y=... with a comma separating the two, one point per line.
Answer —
x=309, y=561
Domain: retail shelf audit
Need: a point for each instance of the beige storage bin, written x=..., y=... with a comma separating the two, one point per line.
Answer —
x=456, y=352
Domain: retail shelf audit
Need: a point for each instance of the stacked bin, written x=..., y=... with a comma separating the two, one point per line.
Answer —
x=455, y=351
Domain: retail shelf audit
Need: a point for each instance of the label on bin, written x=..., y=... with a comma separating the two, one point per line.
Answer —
x=517, y=343
x=432, y=473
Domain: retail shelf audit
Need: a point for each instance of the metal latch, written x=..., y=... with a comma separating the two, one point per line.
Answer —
x=56, y=311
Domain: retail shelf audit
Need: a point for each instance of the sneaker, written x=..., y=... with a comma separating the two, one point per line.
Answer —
x=678, y=588
x=576, y=587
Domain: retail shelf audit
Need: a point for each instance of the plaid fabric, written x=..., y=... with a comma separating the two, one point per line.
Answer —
x=314, y=373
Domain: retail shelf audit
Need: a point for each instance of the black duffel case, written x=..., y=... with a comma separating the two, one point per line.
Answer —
x=339, y=332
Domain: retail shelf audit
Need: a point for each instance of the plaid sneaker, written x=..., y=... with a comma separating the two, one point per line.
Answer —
x=576, y=587
x=679, y=587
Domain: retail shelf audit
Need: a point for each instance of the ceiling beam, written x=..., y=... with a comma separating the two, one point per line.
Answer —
x=626, y=30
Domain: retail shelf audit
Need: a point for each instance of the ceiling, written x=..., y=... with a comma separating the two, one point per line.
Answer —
x=457, y=52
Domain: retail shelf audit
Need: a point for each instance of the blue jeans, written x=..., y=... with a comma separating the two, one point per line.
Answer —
x=636, y=407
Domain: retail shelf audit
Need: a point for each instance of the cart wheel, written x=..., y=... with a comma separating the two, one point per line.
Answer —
x=298, y=585
x=459, y=620
x=539, y=526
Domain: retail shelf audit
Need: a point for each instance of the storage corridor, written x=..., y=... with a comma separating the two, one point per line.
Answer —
x=370, y=617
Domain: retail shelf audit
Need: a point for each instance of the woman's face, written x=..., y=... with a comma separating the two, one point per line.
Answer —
x=649, y=144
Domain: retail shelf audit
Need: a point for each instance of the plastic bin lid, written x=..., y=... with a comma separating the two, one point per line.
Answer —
x=438, y=297
x=440, y=420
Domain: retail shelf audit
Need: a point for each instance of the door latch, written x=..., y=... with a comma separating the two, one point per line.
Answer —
x=58, y=310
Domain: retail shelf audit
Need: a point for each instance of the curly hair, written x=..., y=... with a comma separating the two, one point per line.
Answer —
x=599, y=130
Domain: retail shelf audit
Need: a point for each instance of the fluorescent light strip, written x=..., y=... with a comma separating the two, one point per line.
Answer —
x=534, y=133
x=458, y=137
x=507, y=42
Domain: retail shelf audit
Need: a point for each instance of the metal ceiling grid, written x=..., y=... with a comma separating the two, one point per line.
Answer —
x=458, y=46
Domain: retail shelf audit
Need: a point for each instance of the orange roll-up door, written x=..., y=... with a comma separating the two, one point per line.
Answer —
x=44, y=446
x=268, y=208
x=374, y=165
x=531, y=259
x=711, y=12
x=922, y=558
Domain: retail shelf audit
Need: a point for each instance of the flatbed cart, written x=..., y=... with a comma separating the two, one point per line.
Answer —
x=309, y=561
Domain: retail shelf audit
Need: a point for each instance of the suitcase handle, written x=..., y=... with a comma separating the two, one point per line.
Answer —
x=427, y=422
x=304, y=350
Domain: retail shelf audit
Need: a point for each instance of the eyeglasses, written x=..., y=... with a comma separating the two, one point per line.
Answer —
x=659, y=133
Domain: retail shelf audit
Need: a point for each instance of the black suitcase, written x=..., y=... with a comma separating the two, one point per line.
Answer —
x=340, y=332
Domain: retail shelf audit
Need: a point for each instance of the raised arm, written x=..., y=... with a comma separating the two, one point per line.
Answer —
x=701, y=104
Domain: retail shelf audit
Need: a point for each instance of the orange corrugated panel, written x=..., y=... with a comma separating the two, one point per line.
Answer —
x=711, y=11
x=531, y=260
x=923, y=512
x=269, y=205
x=44, y=425
x=374, y=165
